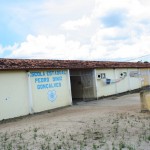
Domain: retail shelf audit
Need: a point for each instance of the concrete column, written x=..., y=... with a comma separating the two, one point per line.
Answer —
x=30, y=95
x=69, y=85
x=129, y=79
x=96, y=87
x=116, y=89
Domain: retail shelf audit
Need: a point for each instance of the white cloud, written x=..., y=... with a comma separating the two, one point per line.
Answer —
x=76, y=24
x=102, y=41
x=45, y=17
x=51, y=47
x=114, y=42
x=120, y=43
x=103, y=46
x=66, y=7
x=135, y=8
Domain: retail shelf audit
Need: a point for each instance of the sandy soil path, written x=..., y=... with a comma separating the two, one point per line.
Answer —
x=110, y=123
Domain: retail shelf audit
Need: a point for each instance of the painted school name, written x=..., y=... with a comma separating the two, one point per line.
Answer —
x=47, y=79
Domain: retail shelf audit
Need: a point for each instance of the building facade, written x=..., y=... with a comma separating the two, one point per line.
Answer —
x=31, y=86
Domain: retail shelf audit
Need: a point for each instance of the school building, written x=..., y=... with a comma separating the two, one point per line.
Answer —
x=30, y=86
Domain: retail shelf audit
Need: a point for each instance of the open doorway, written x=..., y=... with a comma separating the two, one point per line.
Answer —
x=82, y=85
x=76, y=87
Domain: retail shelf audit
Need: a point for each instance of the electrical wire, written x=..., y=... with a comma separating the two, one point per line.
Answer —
x=138, y=57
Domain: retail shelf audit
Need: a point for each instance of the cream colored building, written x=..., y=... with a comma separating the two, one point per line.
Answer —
x=31, y=86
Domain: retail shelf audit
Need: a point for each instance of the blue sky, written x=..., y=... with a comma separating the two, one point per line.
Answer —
x=114, y=18
x=63, y=29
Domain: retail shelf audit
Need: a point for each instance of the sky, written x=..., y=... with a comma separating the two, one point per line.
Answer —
x=103, y=30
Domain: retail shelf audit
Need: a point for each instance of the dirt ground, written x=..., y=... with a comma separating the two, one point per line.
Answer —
x=112, y=123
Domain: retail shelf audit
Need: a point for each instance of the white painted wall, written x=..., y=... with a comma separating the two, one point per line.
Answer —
x=102, y=88
x=21, y=94
x=126, y=84
x=134, y=82
x=13, y=94
x=145, y=76
x=56, y=92
x=123, y=85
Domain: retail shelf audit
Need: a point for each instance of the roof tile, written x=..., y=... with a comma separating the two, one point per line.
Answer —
x=33, y=64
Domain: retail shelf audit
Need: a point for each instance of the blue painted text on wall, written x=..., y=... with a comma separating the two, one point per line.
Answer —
x=47, y=73
x=47, y=79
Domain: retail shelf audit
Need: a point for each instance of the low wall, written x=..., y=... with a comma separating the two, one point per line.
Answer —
x=145, y=99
